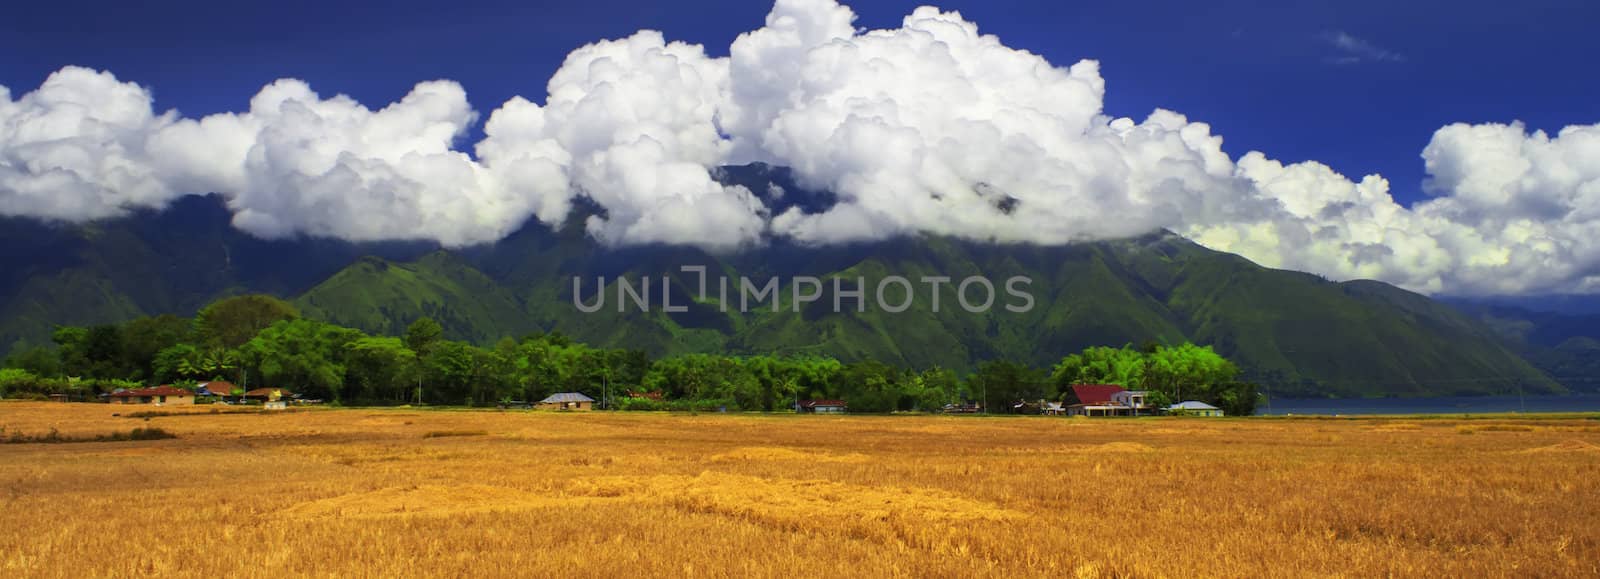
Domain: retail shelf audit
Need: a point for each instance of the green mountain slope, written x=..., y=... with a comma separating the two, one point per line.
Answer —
x=1296, y=333
x=377, y=296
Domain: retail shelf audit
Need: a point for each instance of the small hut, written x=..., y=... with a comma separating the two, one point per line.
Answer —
x=567, y=401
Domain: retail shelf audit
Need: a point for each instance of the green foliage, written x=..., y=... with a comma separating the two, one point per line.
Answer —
x=705, y=377
x=423, y=334
x=302, y=356
x=231, y=322
x=1102, y=365
x=640, y=404
x=38, y=360
x=17, y=380
x=1170, y=374
x=1000, y=383
x=379, y=369
x=871, y=386
x=144, y=338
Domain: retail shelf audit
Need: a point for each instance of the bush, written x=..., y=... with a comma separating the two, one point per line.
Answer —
x=640, y=404
x=17, y=380
x=55, y=437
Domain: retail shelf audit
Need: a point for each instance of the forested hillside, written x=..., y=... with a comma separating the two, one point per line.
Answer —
x=1294, y=333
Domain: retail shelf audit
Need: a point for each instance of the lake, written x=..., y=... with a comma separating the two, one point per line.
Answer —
x=1445, y=405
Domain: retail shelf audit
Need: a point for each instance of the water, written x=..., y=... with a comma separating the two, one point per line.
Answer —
x=1446, y=405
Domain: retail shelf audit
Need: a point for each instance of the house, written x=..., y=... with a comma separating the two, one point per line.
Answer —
x=1134, y=401
x=1054, y=409
x=820, y=406
x=217, y=389
x=268, y=394
x=1195, y=408
x=160, y=395
x=963, y=408
x=1094, y=400
x=567, y=401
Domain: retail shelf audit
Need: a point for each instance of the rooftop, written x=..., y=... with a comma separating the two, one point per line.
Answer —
x=163, y=390
x=564, y=397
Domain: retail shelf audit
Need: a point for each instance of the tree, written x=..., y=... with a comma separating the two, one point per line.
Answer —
x=870, y=386
x=422, y=334
x=178, y=362
x=1101, y=365
x=459, y=372
x=705, y=377
x=1003, y=382
x=1187, y=371
x=935, y=387
x=144, y=338
x=379, y=368
x=37, y=361
x=71, y=346
x=227, y=324
x=302, y=356
x=1235, y=398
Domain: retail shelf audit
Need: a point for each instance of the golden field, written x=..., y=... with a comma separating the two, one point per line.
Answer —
x=405, y=492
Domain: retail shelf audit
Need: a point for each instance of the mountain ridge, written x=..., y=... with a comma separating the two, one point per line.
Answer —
x=1294, y=332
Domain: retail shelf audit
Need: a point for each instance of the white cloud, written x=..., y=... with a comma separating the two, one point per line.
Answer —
x=74, y=149
x=1355, y=50
x=928, y=127
x=631, y=124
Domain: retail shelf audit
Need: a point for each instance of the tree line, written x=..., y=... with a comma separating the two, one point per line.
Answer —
x=258, y=341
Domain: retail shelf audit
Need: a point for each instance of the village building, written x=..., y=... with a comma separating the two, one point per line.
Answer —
x=1094, y=400
x=217, y=389
x=160, y=395
x=1104, y=400
x=567, y=401
x=268, y=394
x=1133, y=401
x=1195, y=408
x=820, y=407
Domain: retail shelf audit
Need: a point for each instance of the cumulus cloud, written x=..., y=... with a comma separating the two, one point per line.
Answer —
x=1514, y=212
x=930, y=127
x=630, y=123
x=75, y=148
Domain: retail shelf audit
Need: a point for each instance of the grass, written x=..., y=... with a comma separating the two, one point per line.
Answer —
x=448, y=433
x=55, y=437
x=369, y=492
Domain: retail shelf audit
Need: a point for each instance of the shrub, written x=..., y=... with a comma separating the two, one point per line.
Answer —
x=445, y=433
x=55, y=437
x=640, y=404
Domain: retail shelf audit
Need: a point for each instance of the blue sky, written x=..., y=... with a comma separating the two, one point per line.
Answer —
x=1267, y=75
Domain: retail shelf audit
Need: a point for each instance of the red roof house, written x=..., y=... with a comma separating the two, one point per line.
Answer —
x=1091, y=394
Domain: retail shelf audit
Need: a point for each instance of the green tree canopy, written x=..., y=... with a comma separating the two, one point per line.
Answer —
x=231, y=322
x=302, y=356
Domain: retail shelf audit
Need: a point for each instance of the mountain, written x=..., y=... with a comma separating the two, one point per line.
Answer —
x=1566, y=346
x=1296, y=333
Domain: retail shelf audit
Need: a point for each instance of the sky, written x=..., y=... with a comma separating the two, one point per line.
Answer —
x=1360, y=87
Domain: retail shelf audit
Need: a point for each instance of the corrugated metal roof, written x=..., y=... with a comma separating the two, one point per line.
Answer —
x=1095, y=393
x=163, y=390
x=816, y=403
x=563, y=397
x=1193, y=405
